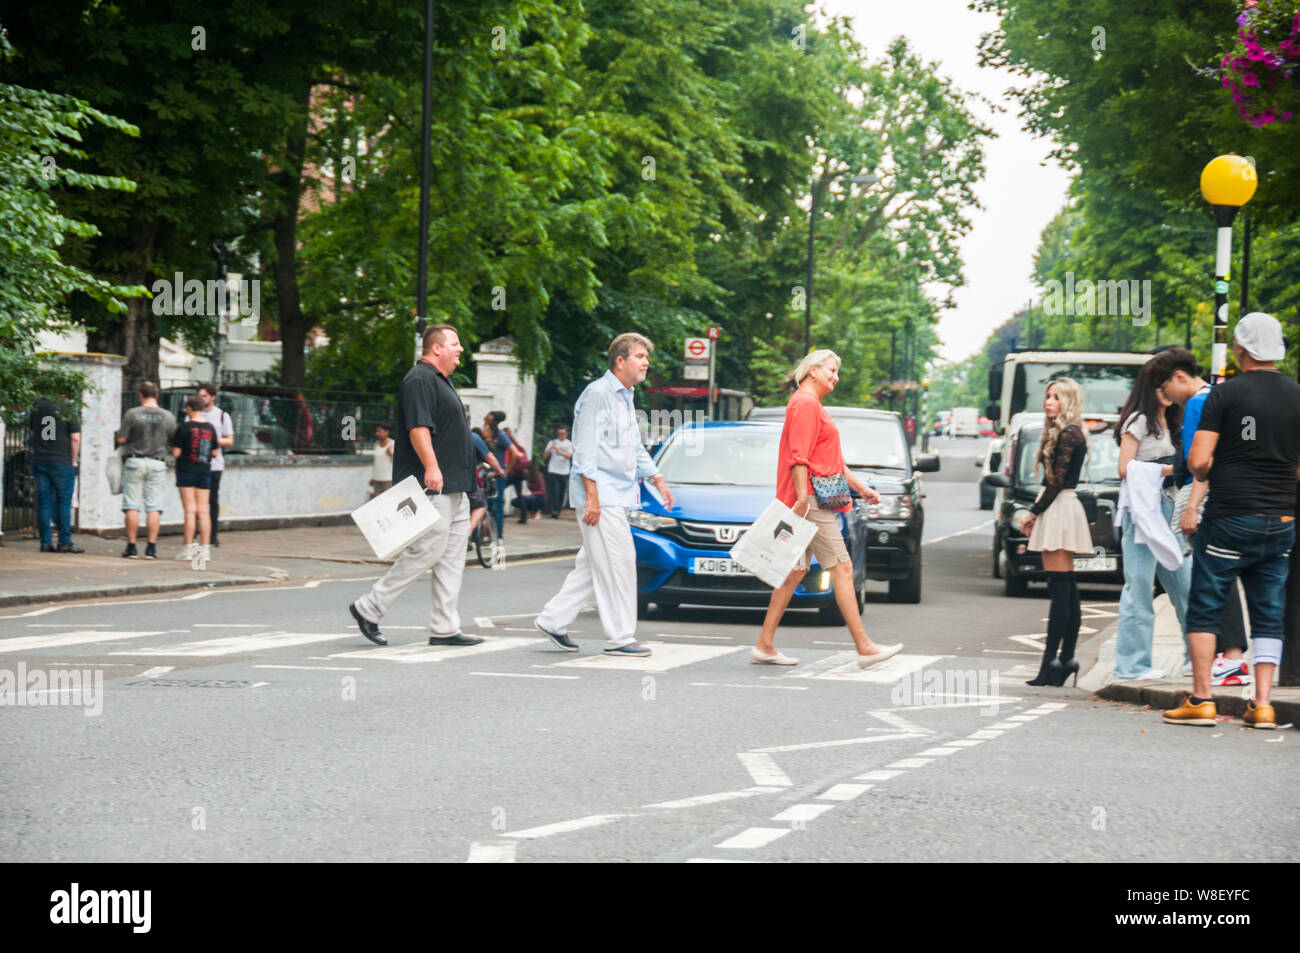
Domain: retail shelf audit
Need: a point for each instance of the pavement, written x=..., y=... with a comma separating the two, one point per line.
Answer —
x=269, y=556
x=1167, y=655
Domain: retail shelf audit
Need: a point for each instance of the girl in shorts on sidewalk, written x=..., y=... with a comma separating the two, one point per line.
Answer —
x=192, y=447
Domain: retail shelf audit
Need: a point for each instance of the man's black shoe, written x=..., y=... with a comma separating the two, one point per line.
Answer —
x=47, y=547
x=130, y=552
x=215, y=543
x=369, y=629
x=460, y=638
x=70, y=548
x=151, y=551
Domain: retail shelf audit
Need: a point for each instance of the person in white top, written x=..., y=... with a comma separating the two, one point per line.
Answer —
x=559, y=460
x=1145, y=434
x=225, y=429
x=381, y=473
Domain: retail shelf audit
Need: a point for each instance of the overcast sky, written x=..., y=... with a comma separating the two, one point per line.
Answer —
x=1022, y=189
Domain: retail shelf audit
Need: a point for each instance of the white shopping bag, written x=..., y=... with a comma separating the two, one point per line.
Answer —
x=393, y=519
x=113, y=470
x=771, y=547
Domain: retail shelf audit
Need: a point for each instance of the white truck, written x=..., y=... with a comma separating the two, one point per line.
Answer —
x=1018, y=383
x=965, y=422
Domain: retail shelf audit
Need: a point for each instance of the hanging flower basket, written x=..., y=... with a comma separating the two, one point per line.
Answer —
x=1262, y=70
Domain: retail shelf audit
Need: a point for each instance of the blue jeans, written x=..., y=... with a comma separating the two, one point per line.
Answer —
x=54, y=482
x=1136, y=610
x=497, y=507
x=1256, y=548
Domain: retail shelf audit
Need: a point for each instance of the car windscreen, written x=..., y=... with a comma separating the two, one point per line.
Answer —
x=1100, y=466
x=872, y=442
x=731, y=456
x=1105, y=386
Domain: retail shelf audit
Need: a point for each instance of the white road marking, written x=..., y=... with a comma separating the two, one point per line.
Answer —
x=1006, y=725
x=877, y=776
x=1023, y=717
x=1050, y=706
x=803, y=812
x=237, y=644
x=565, y=827
x=788, y=688
x=717, y=860
x=844, y=792
x=701, y=799
x=843, y=666
x=894, y=720
x=313, y=584
x=196, y=595
x=843, y=741
x=259, y=684
x=985, y=734
x=523, y=675
x=940, y=751
x=32, y=643
x=763, y=769
x=436, y=653
x=909, y=763
x=754, y=837
x=157, y=670
x=64, y=625
x=231, y=625
x=978, y=703
x=484, y=622
x=962, y=532
x=691, y=635
x=492, y=852
x=665, y=658
x=35, y=612
x=964, y=743
x=316, y=668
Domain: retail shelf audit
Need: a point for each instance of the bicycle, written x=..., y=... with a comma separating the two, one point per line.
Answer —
x=484, y=537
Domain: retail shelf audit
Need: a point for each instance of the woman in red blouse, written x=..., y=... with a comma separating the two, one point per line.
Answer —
x=810, y=447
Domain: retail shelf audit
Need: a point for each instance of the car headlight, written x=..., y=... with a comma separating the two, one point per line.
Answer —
x=650, y=522
x=891, y=507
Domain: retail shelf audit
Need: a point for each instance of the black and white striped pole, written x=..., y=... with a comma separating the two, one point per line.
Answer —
x=1227, y=182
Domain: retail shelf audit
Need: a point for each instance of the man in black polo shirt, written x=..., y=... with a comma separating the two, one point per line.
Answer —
x=432, y=445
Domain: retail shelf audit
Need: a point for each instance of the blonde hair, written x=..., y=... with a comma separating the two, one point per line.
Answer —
x=1070, y=394
x=810, y=360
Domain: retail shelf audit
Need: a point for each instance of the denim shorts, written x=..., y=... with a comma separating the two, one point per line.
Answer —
x=1256, y=548
x=200, y=481
x=143, y=481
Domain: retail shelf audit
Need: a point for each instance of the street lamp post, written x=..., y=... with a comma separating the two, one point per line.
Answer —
x=818, y=188
x=426, y=132
x=1227, y=182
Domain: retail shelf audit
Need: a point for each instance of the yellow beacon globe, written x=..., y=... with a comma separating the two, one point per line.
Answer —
x=1228, y=180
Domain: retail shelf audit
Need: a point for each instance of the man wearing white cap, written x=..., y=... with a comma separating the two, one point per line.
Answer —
x=1248, y=444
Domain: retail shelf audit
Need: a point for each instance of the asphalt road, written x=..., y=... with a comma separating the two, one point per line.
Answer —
x=256, y=724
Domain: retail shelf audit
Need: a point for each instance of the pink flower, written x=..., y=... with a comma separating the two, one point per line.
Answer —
x=1249, y=79
x=1237, y=97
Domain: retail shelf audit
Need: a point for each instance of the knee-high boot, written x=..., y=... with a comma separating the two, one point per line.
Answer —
x=1070, y=637
x=1058, y=617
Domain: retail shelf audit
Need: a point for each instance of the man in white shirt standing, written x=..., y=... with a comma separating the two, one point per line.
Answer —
x=608, y=462
x=381, y=469
x=559, y=457
x=225, y=429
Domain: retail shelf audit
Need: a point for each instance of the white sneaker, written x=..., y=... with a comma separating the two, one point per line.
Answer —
x=1187, y=669
x=886, y=652
x=776, y=658
x=187, y=554
x=1149, y=674
x=1226, y=671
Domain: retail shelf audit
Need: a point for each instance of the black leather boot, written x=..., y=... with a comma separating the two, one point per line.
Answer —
x=1058, y=616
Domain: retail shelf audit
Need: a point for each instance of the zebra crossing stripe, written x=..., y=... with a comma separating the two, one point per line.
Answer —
x=32, y=643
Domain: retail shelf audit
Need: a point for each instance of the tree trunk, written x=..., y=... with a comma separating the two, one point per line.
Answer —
x=135, y=334
x=293, y=323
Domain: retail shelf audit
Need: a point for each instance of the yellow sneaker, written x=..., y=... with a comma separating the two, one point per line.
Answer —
x=1261, y=717
x=1189, y=714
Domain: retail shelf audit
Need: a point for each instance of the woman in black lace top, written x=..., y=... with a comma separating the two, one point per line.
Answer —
x=1058, y=527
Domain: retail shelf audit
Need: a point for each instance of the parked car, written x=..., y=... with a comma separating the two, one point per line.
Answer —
x=987, y=427
x=991, y=462
x=1012, y=560
x=723, y=475
x=876, y=450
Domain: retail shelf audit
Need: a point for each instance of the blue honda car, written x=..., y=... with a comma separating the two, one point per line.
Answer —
x=723, y=475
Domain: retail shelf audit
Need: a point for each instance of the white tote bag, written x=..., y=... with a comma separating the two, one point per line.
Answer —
x=773, y=545
x=113, y=470
x=396, y=517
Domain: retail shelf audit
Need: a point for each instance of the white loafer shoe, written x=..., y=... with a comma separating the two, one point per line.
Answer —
x=776, y=658
x=886, y=652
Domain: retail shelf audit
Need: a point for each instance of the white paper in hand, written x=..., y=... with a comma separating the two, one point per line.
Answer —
x=396, y=517
x=774, y=544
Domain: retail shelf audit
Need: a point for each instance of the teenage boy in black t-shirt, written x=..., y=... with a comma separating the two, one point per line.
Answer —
x=433, y=445
x=1248, y=444
x=193, y=444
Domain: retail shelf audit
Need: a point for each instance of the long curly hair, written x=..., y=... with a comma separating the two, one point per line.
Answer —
x=1070, y=394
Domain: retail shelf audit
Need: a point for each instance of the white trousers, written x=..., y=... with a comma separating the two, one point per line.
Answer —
x=605, y=568
x=441, y=549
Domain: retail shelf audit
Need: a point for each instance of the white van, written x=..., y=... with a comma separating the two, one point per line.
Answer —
x=965, y=422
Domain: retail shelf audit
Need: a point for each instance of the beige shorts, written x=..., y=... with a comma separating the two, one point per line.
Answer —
x=828, y=545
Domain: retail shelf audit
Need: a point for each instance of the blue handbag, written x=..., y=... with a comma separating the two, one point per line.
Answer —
x=832, y=492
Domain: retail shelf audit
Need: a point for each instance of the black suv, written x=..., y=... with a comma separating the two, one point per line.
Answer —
x=1013, y=563
x=875, y=448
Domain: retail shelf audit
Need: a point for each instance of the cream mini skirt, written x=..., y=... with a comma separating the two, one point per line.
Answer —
x=1063, y=525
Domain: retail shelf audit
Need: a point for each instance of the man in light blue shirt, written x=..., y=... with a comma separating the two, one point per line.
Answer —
x=608, y=462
